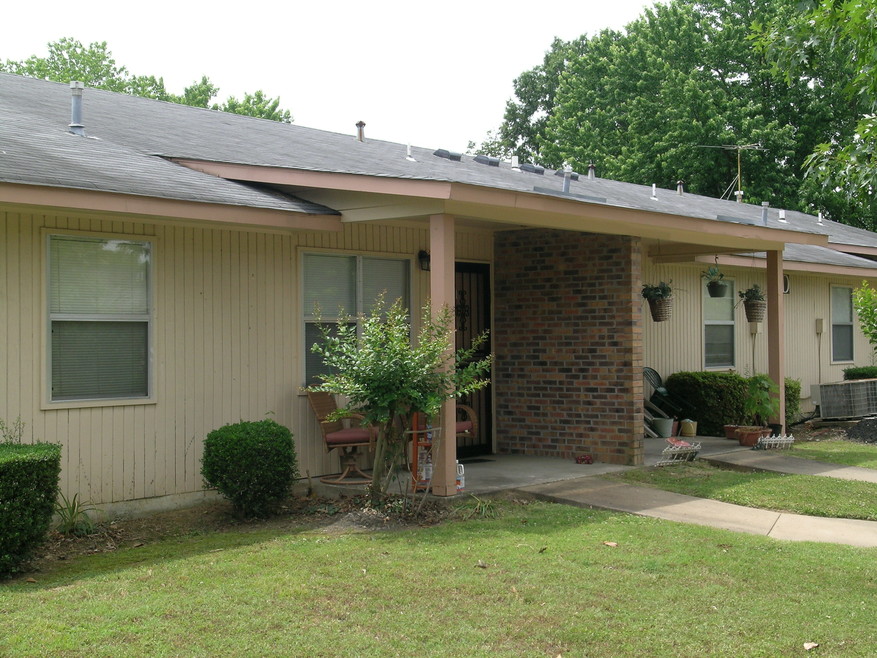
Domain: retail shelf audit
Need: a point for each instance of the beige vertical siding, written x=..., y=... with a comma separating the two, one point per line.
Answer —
x=677, y=345
x=227, y=333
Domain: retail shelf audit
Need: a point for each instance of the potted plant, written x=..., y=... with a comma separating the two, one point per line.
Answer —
x=754, y=303
x=714, y=284
x=761, y=404
x=660, y=299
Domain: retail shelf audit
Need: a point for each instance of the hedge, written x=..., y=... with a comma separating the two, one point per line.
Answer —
x=860, y=372
x=28, y=486
x=717, y=398
x=252, y=463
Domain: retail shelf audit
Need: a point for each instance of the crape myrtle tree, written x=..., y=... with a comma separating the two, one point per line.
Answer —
x=387, y=374
x=650, y=104
x=94, y=65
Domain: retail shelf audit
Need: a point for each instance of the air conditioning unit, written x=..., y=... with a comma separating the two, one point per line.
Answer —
x=852, y=399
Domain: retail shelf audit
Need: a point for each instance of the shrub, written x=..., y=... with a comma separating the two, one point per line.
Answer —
x=793, y=401
x=860, y=372
x=28, y=484
x=716, y=397
x=253, y=464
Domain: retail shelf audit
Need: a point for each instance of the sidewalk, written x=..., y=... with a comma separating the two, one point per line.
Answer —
x=608, y=494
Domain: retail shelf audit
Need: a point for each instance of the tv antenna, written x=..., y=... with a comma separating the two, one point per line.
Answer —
x=739, y=179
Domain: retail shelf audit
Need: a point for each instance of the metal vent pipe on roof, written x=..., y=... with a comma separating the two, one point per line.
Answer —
x=567, y=174
x=76, y=126
x=680, y=187
x=592, y=171
x=764, y=206
x=360, y=131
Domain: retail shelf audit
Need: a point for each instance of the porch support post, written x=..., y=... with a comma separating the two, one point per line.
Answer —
x=776, y=329
x=441, y=284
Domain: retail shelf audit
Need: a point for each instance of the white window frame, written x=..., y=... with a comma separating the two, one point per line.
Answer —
x=330, y=316
x=845, y=323
x=724, y=323
x=48, y=401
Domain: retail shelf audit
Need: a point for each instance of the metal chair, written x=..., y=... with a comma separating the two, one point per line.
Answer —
x=347, y=440
x=661, y=397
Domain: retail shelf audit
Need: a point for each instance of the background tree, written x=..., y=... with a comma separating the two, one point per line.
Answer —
x=94, y=65
x=642, y=104
x=842, y=35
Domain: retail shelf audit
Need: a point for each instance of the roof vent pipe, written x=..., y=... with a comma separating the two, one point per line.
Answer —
x=360, y=131
x=783, y=216
x=76, y=126
x=515, y=164
x=654, y=192
x=680, y=187
x=592, y=171
x=567, y=174
x=819, y=219
x=764, y=206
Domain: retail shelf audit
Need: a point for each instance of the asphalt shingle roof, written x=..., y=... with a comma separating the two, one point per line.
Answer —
x=128, y=126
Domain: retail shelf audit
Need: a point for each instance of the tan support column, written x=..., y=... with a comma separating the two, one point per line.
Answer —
x=441, y=285
x=776, y=344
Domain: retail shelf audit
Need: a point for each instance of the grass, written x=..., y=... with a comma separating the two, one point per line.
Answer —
x=538, y=580
x=802, y=494
x=847, y=453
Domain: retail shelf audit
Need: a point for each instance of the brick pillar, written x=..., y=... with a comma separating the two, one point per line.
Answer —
x=568, y=345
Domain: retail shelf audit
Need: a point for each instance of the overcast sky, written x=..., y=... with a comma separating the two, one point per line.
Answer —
x=430, y=74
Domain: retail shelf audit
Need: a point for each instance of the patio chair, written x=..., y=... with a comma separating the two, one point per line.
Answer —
x=467, y=422
x=347, y=440
x=661, y=397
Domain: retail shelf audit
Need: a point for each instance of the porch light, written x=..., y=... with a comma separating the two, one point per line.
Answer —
x=423, y=259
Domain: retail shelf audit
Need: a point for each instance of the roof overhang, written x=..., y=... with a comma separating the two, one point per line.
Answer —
x=371, y=198
x=792, y=266
x=128, y=204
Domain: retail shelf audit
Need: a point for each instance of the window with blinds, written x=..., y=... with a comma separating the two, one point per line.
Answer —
x=841, y=323
x=718, y=329
x=338, y=286
x=99, y=317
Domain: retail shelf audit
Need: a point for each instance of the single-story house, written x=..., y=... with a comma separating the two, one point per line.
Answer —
x=159, y=267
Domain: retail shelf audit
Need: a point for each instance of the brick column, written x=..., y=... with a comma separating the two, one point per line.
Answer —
x=568, y=345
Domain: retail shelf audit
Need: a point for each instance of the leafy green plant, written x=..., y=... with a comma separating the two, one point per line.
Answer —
x=660, y=291
x=252, y=463
x=752, y=294
x=865, y=303
x=73, y=515
x=762, y=402
x=712, y=273
x=793, y=400
x=387, y=376
x=483, y=508
x=715, y=397
x=28, y=482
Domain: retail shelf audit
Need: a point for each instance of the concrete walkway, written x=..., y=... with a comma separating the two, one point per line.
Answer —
x=608, y=494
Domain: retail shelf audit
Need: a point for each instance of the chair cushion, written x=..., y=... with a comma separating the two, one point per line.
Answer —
x=348, y=436
x=464, y=426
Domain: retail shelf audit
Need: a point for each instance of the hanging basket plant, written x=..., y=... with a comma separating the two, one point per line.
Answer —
x=660, y=299
x=714, y=284
x=754, y=303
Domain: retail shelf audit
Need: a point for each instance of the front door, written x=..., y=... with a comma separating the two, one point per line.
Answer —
x=472, y=311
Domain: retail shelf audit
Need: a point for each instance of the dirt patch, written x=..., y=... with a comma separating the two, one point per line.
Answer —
x=341, y=515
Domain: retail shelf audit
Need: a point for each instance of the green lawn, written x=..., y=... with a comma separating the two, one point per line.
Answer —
x=537, y=581
x=803, y=494
x=847, y=453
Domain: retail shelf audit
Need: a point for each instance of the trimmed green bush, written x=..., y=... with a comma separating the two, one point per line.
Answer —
x=28, y=486
x=793, y=401
x=719, y=399
x=716, y=397
x=252, y=463
x=860, y=372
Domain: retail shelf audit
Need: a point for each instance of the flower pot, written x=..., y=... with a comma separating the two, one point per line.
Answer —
x=748, y=436
x=663, y=427
x=731, y=431
x=717, y=288
x=755, y=310
x=661, y=309
x=689, y=428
